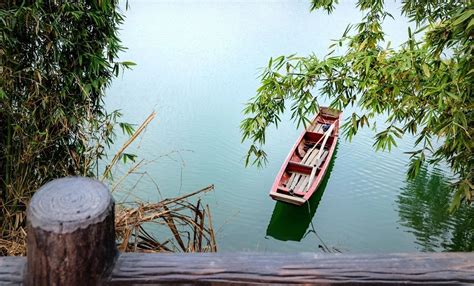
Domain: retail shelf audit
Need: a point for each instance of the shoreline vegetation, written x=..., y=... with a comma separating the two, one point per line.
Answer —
x=184, y=220
x=56, y=61
x=185, y=223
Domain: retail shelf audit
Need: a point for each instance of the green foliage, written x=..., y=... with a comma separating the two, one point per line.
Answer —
x=56, y=60
x=424, y=86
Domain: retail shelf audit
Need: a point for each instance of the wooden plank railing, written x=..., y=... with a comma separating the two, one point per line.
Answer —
x=71, y=242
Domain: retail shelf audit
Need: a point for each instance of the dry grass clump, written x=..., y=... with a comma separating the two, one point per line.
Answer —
x=12, y=232
x=183, y=221
x=188, y=224
x=15, y=244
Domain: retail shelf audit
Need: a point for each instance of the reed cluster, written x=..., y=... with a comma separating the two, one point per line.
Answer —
x=183, y=226
x=183, y=221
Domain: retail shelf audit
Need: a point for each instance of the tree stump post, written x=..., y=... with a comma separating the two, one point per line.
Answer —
x=71, y=233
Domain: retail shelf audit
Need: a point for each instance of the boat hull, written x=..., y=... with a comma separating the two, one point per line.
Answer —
x=306, y=164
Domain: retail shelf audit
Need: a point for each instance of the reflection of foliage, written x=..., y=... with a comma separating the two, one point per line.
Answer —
x=423, y=207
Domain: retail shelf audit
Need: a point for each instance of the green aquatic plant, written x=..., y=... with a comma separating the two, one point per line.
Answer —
x=423, y=87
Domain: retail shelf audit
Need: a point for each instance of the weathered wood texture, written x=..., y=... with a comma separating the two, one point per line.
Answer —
x=12, y=269
x=71, y=241
x=416, y=268
x=71, y=235
x=265, y=268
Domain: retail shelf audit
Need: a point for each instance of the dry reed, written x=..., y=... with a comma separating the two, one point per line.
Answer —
x=185, y=226
x=182, y=223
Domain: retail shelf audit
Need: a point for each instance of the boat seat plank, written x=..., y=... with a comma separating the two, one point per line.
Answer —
x=303, y=188
x=290, y=180
x=297, y=167
x=288, y=198
x=307, y=154
x=302, y=183
x=295, y=181
x=310, y=152
x=299, y=181
x=283, y=190
x=321, y=160
x=316, y=165
x=311, y=157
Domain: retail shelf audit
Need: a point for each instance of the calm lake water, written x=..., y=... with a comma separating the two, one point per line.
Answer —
x=197, y=64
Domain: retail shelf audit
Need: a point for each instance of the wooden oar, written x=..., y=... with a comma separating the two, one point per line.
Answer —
x=320, y=152
x=294, y=178
x=308, y=153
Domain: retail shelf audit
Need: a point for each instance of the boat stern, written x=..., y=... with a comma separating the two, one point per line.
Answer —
x=288, y=198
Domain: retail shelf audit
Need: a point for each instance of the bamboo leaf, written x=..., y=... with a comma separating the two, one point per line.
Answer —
x=463, y=17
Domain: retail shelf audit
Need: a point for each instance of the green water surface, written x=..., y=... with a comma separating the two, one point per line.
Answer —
x=197, y=64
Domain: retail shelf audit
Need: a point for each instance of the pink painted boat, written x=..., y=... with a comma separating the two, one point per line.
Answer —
x=306, y=164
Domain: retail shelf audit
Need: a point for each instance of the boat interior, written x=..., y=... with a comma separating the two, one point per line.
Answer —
x=309, y=154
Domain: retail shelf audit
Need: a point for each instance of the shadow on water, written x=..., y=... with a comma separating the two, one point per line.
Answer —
x=423, y=208
x=290, y=222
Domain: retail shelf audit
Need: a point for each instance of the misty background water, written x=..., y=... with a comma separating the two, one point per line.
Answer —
x=197, y=64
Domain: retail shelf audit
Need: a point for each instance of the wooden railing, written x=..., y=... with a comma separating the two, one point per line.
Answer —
x=71, y=241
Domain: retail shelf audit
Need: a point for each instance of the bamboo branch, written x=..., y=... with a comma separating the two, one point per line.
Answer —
x=127, y=143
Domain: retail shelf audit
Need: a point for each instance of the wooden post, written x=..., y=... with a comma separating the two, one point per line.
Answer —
x=71, y=234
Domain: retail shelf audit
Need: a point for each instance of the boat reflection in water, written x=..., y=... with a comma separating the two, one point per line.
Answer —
x=290, y=222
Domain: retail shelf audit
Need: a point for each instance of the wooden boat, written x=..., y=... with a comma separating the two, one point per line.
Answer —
x=306, y=164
